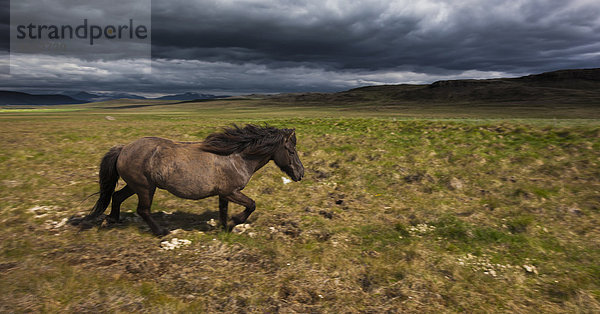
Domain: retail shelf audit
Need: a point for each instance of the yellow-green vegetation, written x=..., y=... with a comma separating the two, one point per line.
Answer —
x=399, y=211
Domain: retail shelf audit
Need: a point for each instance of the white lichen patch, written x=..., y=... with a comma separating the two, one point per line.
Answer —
x=42, y=211
x=242, y=228
x=11, y=183
x=175, y=243
x=420, y=229
x=51, y=224
x=484, y=265
x=530, y=269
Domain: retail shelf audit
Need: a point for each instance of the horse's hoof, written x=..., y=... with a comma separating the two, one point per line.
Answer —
x=230, y=226
x=236, y=220
x=85, y=224
x=162, y=232
x=75, y=221
x=111, y=220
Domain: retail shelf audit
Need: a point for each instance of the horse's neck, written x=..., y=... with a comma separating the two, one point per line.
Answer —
x=253, y=165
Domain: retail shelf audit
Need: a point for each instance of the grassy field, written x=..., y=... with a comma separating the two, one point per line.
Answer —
x=401, y=209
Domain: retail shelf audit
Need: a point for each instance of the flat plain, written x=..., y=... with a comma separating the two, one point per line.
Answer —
x=412, y=209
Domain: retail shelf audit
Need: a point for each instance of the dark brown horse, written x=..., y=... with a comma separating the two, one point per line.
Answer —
x=220, y=165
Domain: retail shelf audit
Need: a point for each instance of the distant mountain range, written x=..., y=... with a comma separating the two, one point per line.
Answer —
x=110, y=96
x=20, y=98
x=188, y=96
x=577, y=87
x=92, y=97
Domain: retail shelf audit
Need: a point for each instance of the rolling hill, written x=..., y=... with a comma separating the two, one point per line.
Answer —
x=574, y=87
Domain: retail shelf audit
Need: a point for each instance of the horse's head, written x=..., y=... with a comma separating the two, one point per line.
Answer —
x=286, y=157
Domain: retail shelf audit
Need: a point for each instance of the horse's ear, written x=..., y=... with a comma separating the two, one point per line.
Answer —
x=292, y=133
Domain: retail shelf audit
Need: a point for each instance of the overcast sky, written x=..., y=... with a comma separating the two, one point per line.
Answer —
x=237, y=47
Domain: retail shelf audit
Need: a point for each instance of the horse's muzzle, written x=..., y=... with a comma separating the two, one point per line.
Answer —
x=296, y=175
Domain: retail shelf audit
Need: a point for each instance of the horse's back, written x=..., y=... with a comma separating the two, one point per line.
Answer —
x=142, y=148
x=179, y=167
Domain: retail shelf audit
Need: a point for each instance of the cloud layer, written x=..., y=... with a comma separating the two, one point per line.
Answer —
x=304, y=45
x=422, y=36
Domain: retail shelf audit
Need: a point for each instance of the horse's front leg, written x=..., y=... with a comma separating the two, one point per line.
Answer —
x=239, y=198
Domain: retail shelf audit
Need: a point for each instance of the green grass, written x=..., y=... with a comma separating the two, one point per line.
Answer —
x=399, y=211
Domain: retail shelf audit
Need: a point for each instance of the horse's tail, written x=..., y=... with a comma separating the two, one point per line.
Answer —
x=108, y=181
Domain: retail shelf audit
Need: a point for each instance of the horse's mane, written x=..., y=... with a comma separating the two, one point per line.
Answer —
x=252, y=140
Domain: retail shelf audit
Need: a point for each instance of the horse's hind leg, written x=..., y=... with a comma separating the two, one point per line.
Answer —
x=223, y=206
x=118, y=198
x=145, y=197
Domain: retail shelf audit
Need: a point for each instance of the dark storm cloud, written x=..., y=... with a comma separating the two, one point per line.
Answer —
x=4, y=25
x=229, y=47
x=423, y=36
